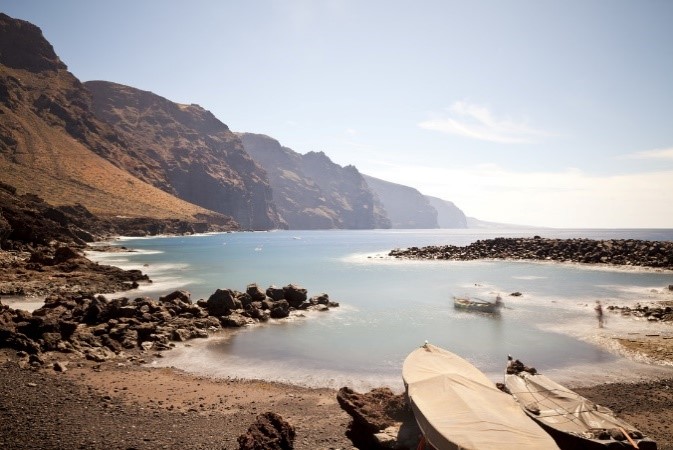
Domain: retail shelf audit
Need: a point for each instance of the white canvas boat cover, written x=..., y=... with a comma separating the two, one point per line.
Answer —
x=559, y=407
x=458, y=407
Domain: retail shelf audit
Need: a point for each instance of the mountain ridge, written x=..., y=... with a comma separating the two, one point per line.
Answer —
x=186, y=151
x=311, y=191
x=51, y=143
x=121, y=151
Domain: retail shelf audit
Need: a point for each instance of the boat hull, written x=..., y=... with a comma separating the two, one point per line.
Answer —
x=573, y=421
x=567, y=441
x=457, y=407
x=470, y=305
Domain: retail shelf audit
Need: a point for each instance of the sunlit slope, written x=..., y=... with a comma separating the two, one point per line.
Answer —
x=52, y=145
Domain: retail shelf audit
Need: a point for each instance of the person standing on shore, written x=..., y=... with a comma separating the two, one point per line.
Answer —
x=599, y=313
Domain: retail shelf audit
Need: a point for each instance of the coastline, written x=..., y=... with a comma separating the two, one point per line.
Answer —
x=217, y=411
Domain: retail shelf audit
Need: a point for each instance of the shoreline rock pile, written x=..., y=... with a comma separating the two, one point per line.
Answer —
x=652, y=313
x=624, y=252
x=99, y=329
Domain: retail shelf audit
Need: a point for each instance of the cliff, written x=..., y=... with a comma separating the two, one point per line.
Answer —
x=311, y=191
x=406, y=207
x=448, y=214
x=186, y=151
x=52, y=145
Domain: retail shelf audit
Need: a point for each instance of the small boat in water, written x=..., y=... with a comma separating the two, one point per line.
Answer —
x=457, y=407
x=572, y=420
x=477, y=304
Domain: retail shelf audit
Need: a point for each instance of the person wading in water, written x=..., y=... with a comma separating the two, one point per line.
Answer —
x=599, y=313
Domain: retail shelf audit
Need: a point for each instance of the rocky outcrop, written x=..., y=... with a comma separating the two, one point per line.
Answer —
x=380, y=419
x=51, y=143
x=652, y=313
x=627, y=252
x=27, y=222
x=186, y=151
x=405, y=206
x=269, y=432
x=312, y=192
x=41, y=246
x=97, y=328
x=22, y=47
x=448, y=214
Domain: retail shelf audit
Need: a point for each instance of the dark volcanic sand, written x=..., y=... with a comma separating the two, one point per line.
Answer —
x=127, y=406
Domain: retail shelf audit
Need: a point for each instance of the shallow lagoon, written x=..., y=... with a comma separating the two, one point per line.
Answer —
x=389, y=306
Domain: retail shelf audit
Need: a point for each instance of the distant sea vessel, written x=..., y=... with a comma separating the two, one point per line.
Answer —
x=572, y=420
x=457, y=407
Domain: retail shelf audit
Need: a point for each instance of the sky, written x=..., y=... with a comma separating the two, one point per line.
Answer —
x=535, y=112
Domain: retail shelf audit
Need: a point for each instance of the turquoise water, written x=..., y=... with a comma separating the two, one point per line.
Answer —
x=389, y=306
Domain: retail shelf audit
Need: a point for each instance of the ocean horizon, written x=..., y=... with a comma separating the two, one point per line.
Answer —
x=389, y=306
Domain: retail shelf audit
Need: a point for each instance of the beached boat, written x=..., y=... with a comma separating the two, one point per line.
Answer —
x=572, y=420
x=477, y=304
x=457, y=407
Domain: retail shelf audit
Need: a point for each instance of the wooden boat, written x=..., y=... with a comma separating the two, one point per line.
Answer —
x=457, y=407
x=572, y=420
x=477, y=304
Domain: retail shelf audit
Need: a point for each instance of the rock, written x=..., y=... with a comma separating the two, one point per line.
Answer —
x=222, y=302
x=183, y=296
x=268, y=432
x=321, y=299
x=376, y=415
x=235, y=320
x=181, y=335
x=280, y=309
x=63, y=254
x=60, y=366
x=255, y=293
x=275, y=293
x=295, y=295
x=99, y=354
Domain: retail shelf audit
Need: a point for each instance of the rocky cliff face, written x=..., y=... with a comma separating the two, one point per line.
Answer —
x=186, y=151
x=52, y=145
x=448, y=214
x=312, y=192
x=406, y=207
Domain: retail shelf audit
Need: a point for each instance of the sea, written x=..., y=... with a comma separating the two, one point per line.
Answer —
x=389, y=307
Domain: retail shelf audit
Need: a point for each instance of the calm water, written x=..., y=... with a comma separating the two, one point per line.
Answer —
x=389, y=307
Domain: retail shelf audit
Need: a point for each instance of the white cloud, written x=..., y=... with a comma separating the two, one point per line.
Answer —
x=568, y=199
x=664, y=153
x=478, y=122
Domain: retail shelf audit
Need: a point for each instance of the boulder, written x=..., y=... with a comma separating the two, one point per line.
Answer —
x=275, y=293
x=63, y=254
x=182, y=296
x=235, y=320
x=321, y=299
x=295, y=295
x=378, y=416
x=222, y=302
x=269, y=432
x=255, y=293
x=280, y=309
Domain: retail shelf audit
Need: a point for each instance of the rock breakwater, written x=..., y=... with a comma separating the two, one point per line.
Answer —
x=622, y=252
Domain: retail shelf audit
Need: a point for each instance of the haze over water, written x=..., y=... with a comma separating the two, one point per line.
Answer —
x=389, y=306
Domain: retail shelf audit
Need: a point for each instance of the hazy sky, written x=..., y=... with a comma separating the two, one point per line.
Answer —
x=550, y=113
